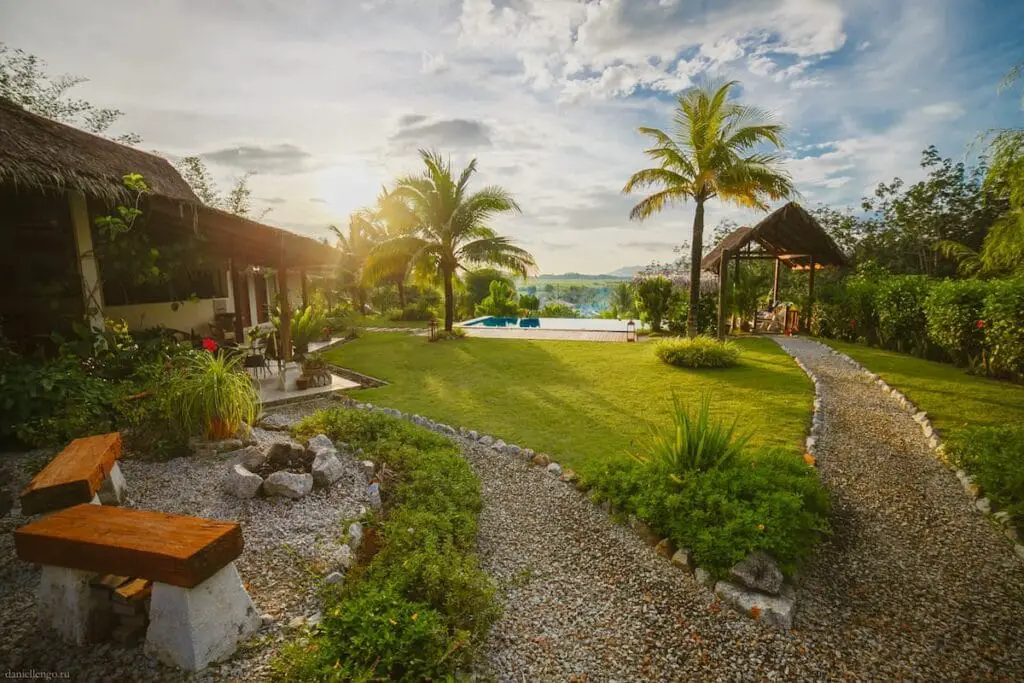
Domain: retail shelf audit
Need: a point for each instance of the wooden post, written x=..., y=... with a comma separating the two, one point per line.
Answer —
x=286, y=313
x=241, y=302
x=810, y=296
x=305, y=288
x=92, y=287
x=775, y=283
x=723, y=277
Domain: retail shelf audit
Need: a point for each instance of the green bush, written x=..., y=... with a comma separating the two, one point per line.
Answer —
x=425, y=570
x=693, y=442
x=557, y=309
x=707, y=312
x=449, y=335
x=899, y=302
x=1004, y=327
x=698, y=352
x=654, y=297
x=769, y=500
x=995, y=456
x=213, y=396
x=953, y=310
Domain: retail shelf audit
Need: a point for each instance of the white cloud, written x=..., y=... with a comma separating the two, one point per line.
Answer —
x=434, y=64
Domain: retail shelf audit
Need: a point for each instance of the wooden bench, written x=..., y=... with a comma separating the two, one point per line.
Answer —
x=86, y=471
x=198, y=609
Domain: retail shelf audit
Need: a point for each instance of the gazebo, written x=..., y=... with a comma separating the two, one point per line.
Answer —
x=790, y=236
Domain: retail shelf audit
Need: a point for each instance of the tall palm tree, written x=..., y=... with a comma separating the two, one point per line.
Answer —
x=712, y=152
x=363, y=235
x=448, y=227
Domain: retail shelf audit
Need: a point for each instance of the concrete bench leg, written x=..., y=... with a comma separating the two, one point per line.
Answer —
x=191, y=627
x=66, y=603
x=114, y=487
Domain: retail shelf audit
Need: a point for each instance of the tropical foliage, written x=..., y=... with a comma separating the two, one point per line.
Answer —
x=500, y=301
x=714, y=150
x=213, y=396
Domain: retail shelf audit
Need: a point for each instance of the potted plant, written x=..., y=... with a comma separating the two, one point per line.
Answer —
x=214, y=395
x=314, y=372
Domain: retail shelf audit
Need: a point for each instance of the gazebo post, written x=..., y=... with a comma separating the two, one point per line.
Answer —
x=237, y=284
x=723, y=277
x=305, y=288
x=286, y=314
x=775, y=282
x=810, y=295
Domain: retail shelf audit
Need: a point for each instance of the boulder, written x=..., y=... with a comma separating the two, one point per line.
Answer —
x=774, y=610
x=703, y=577
x=281, y=452
x=487, y=440
x=321, y=444
x=342, y=558
x=369, y=468
x=682, y=559
x=200, y=445
x=355, y=535
x=327, y=468
x=527, y=453
x=758, y=571
x=373, y=494
x=251, y=458
x=664, y=548
x=334, y=577
x=568, y=476
x=241, y=483
x=499, y=445
x=512, y=449
x=288, y=484
x=541, y=460
x=554, y=468
x=473, y=434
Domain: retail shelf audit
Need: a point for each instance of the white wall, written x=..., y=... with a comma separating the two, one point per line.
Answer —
x=191, y=315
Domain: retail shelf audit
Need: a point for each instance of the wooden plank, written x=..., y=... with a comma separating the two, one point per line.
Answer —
x=181, y=551
x=133, y=591
x=73, y=476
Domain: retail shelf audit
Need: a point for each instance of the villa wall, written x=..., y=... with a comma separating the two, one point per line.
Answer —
x=190, y=315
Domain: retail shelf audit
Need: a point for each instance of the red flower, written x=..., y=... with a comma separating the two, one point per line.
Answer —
x=210, y=345
x=980, y=324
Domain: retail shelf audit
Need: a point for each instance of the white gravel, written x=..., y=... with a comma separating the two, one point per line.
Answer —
x=286, y=548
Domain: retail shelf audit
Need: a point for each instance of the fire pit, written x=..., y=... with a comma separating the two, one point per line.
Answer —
x=284, y=468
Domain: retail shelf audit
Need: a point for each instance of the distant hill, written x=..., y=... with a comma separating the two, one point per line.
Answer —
x=625, y=271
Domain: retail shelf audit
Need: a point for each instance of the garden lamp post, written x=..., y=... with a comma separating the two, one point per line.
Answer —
x=631, y=331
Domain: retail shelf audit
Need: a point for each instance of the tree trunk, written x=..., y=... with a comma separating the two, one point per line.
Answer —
x=696, y=248
x=449, y=301
x=401, y=293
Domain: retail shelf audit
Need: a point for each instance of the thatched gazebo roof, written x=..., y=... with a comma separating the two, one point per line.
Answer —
x=788, y=233
x=49, y=157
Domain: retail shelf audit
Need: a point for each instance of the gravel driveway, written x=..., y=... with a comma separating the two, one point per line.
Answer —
x=914, y=585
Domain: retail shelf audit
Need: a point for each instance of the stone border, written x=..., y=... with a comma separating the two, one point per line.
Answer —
x=364, y=381
x=775, y=610
x=936, y=447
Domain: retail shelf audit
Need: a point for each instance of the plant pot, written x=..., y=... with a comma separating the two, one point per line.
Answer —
x=302, y=382
x=219, y=429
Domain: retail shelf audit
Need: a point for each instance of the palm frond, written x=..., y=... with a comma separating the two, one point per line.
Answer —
x=498, y=251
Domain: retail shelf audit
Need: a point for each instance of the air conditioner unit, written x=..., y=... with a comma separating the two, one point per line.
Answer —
x=220, y=305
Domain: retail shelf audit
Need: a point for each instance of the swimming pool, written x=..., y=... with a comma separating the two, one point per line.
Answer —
x=589, y=324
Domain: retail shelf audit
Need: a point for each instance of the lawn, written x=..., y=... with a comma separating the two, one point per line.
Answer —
x=370, y=321
x=951, y=397
x=582, y=402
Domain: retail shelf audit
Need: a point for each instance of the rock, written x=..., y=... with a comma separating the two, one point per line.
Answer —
x=643, y=530
x=369, y=468
x=327, y=468
x=241, y=483
x=297, y=623
x=1003, y=517
x=355, y=535
x=664, y=548
x=759, y=572
x=473, y=435
x=681, y=558
x=373, y=494
x=251, y=458
x=920, y=416
x=499, y=445
x=333, y=578
x=487, y=440
x=527, y=453
x=281, y=452
x=703, y=577
x=275, y=422
x=984, y=505
x=342, y=558
x=199, y=445
x=321, y=444
x=513, y=450
x=568, y=476
x=926, y=429
x=541, y=460
x=774, y=610
x=1019, y=549
x=267, y=620
x=554, y=468
x=288, y=484
x=314, y=619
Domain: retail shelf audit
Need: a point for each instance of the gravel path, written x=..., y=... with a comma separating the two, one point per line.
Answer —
x=287, y=546
x=914, y=585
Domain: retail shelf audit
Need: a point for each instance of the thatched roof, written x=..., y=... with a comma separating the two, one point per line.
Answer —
x=789, y=233
x=43, y=154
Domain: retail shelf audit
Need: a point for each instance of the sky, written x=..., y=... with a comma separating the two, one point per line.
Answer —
x=326, y=102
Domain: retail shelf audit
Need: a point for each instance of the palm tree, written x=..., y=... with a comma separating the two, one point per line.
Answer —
x=448, y=228
x=363, y=235
x=711, y=152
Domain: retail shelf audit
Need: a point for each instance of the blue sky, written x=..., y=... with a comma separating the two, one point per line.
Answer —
x=327, y=101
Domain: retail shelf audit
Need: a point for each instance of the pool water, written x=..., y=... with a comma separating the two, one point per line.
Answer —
x=591, y=324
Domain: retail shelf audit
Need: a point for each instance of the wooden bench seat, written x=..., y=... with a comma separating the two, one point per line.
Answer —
x=74, y=476
x=180, y=551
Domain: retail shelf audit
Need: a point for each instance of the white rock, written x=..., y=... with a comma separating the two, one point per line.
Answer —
x=473, y=434
x=758, y=571
x=512, y=449
x=268, y=620
x=984, y=505
x=774, y=610
x=288, y=484
x=333, y=578
x=355, y=535
x=114, y=489
x=811, y=443
x=554, y=469
x=1019, y=549
x=933, y=441
x=920, y=416
x=342, y=558
x=321, y=443
x=251, y=458
x=926, y=429
x=703, y=577
x=369, y=468
x=499, y=445
x=327, y=468
x=527, y=453
x=191, y=627
x=681, y=558
x=487, y=440
x=241, y=483
x=373, y=494
x=1003, y=517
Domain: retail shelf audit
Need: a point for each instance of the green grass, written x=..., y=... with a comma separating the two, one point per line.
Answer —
x=371, y=321
x=952, y=398
x=585, y=403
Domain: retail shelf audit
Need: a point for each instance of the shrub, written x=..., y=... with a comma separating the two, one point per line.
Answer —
x=425, y=570
x=449, y=335
x=1004, y=327
x=654, y=299
x=953, y=309
x=692, y=443
x=213, y=394
x=529, y=303
x=500, y=300
x=707, y=312
x=698, y=352
x=557, y=309
x=418, y=312
x=899, y=302
x=995, y=456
